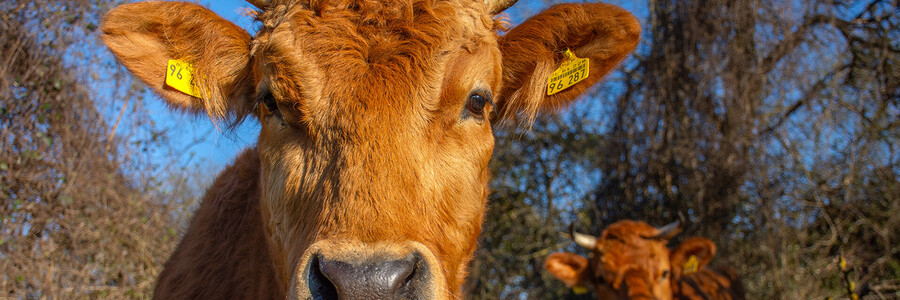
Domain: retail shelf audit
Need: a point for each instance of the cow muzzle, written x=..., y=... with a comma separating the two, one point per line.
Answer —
x=353, y=270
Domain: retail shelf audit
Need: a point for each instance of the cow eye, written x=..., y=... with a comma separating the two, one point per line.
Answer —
x=268, y=100
x=476, y=103
x=665, y=274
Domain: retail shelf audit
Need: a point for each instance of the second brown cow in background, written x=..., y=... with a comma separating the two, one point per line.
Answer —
x=630, y=260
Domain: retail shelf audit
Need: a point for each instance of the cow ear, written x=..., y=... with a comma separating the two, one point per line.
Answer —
x=602, y=33
x=691, y=256
x=568, y=267
x=145, y=36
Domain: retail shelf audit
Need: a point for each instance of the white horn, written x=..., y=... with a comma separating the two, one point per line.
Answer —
x=584, y=240
x=668, y=231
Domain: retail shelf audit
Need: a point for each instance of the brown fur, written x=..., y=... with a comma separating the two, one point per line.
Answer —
x=225, y=243
x=531, y=52
x=627, y=264
x=372, y=145
x=145, y=35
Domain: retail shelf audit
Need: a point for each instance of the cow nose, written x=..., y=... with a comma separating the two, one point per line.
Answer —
x=371, y=279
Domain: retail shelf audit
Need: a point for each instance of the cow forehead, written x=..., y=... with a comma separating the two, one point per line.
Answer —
x=366, y=54
x=625, y=244
x=631, y=230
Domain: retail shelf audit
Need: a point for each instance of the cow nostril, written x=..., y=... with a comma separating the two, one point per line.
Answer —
x=371, y=279
x=319, y=284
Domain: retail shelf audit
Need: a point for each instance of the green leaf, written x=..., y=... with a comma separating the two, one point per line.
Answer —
x=30, y=154
x=4, y=166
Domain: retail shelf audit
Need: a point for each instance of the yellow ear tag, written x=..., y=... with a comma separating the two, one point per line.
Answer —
x=579, y=289
x=690, y=266
x=571, y=71
x=180, y=76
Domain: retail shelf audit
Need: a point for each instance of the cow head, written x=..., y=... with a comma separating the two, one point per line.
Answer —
x=630, y=261
x=376, y=119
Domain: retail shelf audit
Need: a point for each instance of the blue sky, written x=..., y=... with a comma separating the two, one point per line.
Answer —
x=200, y=139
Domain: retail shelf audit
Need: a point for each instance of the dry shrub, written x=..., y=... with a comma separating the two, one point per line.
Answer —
x=770, y=127
x=80, y=217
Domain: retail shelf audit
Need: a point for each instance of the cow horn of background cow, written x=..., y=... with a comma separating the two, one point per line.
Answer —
x=668, y=231
x=261, y=4
x=498, y=6
x=584, y=240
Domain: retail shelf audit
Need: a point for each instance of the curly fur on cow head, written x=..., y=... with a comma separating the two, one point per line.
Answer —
x=376, y=115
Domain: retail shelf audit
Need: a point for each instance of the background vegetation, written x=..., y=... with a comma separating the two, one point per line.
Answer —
x=85, y=212
x=770, y=127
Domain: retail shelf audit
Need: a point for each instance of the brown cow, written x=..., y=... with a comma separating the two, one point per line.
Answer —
x=630, y=261
x=369, y=178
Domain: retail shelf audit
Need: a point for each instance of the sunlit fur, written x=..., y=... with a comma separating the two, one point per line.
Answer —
x=227, y=236
x=372, y=150
x=331, y=173
x=628, y=264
